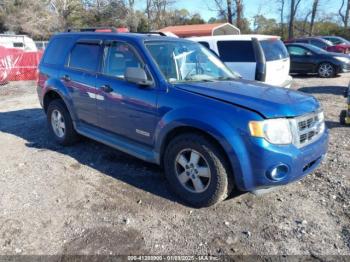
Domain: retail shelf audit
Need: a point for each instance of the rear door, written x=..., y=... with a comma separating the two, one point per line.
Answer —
x=79, y=76
x=277, y=61
x=239, y=56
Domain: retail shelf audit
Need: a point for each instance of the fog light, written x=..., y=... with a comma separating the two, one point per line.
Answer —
x=278, y=173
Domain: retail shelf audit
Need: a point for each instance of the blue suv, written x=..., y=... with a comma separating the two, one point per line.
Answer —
x=172, y=102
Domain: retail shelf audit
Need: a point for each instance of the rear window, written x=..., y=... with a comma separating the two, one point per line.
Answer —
x=55, y=52
x=236, y=51
x=85, y=56
x=274, y=49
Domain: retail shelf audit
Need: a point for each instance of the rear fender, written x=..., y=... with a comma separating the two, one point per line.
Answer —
x=58, y=87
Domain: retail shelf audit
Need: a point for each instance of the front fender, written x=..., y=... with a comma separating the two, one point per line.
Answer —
x=58, y=87
x=222, y=131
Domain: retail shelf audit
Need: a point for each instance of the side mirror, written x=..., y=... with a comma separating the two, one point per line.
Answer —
x=308, y=53
x=137, y=76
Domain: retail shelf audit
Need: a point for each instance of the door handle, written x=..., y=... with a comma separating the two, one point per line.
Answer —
x=106, y=88
x=65, y=78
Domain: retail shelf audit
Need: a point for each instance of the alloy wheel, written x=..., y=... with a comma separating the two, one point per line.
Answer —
x=326, y=70
x=58, y=123
x=193, y=171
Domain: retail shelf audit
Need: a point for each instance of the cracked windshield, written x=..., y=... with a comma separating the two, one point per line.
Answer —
x=181, y=61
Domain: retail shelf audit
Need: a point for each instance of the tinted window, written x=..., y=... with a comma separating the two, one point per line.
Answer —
x=236, y=51
x=117, y=58
x=274, y=49
x=297, y=51
x=318, y=43
x=302, y=41
x=85, y=56
x=55, y=52
x=206, y=44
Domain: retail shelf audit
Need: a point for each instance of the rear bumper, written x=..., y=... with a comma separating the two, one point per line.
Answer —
x=264, y=157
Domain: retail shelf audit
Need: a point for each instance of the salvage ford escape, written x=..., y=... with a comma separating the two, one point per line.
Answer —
x=172, y=102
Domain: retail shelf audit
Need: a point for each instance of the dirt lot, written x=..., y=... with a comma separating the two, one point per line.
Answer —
x=90, y=199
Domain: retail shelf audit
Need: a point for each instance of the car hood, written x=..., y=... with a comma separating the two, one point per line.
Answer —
x=269, y=101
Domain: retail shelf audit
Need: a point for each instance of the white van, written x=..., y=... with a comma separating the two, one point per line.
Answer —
x=255, y=57
x=18, y=41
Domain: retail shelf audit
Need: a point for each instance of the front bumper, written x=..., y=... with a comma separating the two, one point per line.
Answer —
x=264, y=156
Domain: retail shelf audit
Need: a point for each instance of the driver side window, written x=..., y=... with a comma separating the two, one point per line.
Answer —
x=297, y=51
x=118, y=56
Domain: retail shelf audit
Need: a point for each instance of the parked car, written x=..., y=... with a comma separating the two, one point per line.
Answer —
x=172, y=102
x=255, y=57
x=323, y=44
x=308, y=59
x=336, y=40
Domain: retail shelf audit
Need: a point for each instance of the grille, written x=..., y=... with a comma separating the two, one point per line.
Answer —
x=307, y=128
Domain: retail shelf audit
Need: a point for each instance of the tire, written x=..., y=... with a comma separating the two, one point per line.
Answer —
x=211, y=162
x=342, y=117
x=326, y=70
x=69, y=136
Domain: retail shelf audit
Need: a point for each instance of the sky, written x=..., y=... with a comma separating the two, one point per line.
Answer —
x=268, y=8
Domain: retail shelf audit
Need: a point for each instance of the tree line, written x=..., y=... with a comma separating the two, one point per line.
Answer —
x=41, y=18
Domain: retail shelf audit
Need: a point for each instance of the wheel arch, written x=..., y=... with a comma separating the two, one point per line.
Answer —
x=215, y=138
x=53, y=94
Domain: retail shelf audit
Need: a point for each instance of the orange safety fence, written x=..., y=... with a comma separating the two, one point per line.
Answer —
x=18, y=65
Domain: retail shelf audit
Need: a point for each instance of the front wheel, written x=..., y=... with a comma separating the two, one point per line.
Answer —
x=326, y=70
x=197, y=170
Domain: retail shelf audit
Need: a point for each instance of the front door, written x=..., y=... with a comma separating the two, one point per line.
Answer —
x=125, y=108
x=301, y=60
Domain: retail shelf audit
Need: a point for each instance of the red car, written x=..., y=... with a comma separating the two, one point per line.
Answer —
x=323, y=43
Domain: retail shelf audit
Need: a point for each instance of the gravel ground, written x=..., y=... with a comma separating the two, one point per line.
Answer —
x=91, y=199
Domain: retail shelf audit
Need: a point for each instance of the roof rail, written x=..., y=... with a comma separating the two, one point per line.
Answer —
x=153, y=33
x=93, y=29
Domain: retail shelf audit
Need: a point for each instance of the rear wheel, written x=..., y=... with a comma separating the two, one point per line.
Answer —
x=197, y=171
x=60, y=123
x=326, y=70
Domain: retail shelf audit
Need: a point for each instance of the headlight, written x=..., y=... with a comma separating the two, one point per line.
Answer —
x=342, y=59
x=275, y=131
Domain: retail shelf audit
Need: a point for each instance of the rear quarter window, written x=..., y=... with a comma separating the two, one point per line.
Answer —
x=274, y=49
x=56, y=51
x=236, y=51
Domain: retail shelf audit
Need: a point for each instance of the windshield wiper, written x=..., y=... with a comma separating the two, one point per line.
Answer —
x=225, y=78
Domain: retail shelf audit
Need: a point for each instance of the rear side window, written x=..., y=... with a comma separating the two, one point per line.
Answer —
x=274, y=49
x=56, y=51
x=236, y=51
x=297, y=51
x=85, y=56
